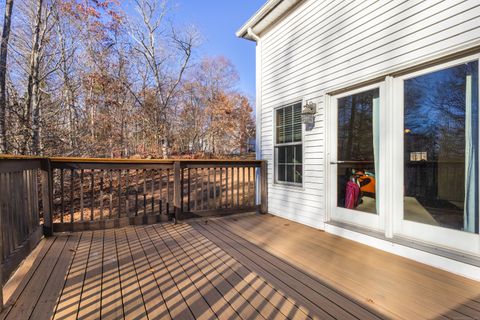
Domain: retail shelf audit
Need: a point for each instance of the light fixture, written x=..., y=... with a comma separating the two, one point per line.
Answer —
x=308, y=113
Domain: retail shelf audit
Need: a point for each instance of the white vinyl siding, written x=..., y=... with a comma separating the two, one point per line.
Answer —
x=325, y=45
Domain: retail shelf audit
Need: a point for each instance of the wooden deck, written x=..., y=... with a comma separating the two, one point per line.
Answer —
x=252, y=267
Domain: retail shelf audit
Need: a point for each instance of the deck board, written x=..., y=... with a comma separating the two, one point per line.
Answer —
x=197, y=269
x=260, y=267
x=304, y=282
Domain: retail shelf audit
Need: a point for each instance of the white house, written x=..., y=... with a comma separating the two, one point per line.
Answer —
x=391, y=157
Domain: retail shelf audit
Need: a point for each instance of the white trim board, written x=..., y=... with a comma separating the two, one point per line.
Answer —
x=450, y=265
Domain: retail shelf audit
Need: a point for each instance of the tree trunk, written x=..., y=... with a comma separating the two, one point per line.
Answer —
x=33, y=99
x=3, y=75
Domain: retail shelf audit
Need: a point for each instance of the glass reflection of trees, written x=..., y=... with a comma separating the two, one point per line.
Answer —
x=435, y=122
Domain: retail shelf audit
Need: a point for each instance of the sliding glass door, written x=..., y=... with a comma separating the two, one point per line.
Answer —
x=408, y=163
x=437, y=196
x=355, y=157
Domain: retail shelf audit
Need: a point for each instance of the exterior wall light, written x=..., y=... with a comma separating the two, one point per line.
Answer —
x=308, y=113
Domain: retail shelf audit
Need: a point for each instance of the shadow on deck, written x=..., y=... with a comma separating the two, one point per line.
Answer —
x=249, y=267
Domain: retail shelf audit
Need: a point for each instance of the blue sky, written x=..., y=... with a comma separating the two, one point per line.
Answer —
x=217, y=21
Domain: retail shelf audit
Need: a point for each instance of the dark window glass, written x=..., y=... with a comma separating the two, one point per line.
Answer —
x=289, y=157
x=441, y=148
x=356, y=167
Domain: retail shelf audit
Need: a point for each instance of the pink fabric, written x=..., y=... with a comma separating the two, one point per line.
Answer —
x=352, y=191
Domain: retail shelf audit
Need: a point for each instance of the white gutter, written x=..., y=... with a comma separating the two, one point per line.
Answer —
x=252, y=35
x=257, y=17
x=272, y=11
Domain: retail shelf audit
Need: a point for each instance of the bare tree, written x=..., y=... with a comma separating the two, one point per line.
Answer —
x=7, y=21
x=150, y=37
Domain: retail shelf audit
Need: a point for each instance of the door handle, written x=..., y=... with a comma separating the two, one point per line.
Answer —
x=337, y=162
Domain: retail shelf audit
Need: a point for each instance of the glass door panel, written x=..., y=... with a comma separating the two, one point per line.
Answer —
x=441, y=141
x=355, y=158
x=357, y=145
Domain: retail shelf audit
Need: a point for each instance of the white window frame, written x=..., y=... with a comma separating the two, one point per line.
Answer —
x=276, y=182
x=436, y=235
x=335, y=213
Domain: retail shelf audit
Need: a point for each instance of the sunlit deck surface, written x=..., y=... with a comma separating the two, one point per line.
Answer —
x=249, y=267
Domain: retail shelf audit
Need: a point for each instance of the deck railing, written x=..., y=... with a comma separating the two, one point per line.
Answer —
x=97, y=194
x=20, y=207
x=39, y=196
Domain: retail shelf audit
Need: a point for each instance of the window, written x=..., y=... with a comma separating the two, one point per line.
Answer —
x=288, y=145
x=357, y=147
x=441, y=138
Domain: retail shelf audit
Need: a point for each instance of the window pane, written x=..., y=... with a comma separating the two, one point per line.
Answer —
x=288, y=124
x=281, y=154
x=281, y=172
x=355, y=126
x=298, y=174
x=441, y=148
x=279, y=118
x=290, y=173
x=290, y=153
x=280, y=126
x=356, y=178
x=298, y=154
x=297, y=122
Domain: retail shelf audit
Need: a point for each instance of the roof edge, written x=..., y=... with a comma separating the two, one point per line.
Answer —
x=278, y=7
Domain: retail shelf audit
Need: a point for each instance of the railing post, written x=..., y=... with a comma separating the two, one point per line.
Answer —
x=47, y=197
x=2, y=214
x=177, y=190
x=264, y=187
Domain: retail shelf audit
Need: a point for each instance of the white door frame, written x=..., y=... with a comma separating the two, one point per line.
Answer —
x=334, y=213
x=436, y=235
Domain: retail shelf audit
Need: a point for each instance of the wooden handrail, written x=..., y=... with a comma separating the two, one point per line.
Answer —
x=70, y=185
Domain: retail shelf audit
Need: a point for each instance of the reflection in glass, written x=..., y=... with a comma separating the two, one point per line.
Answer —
x=357, y=150
x=441, y=148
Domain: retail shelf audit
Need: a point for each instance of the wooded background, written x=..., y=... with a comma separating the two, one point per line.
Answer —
x=84, y=78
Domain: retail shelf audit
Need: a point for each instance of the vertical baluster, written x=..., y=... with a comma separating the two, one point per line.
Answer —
x=10, y=215
x=2, y=230
x=137, y=173
x=15, y=209
x=72, y=186
x=202, y=175
x=168, y=192
x=189, y=189
x=92, y=193
x=215, y=203
x=127, y=193
x=81, y=195
x=28, y=201
x=208, y=189
x=195, y=190
x=249, y=186
x=238, y=186
x=110, y=208
x=153, y=191
x=101, y=193
x=62, y=205
x=226, y=186
x=243, y=186
x=254, y=184
x=232, y=189
x=160, y=191
x=144, y=192
x=182, y=180
x=221, y=187
x=119, y=214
